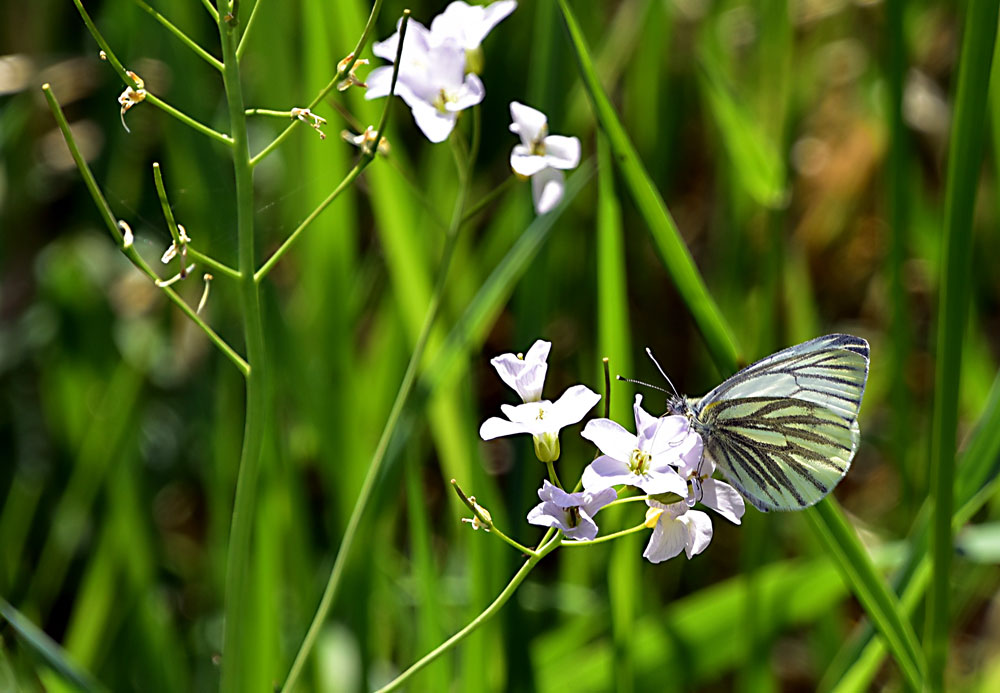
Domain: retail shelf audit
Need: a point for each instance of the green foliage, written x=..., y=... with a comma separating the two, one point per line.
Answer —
x=754, y=174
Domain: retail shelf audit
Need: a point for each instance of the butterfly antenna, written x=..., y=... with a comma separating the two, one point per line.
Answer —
x=649, y=353
x=639, y=382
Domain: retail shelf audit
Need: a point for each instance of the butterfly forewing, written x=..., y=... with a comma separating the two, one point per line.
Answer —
x=784, y=430
x=830, y=371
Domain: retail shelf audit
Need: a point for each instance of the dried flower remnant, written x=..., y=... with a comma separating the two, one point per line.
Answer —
x=311, y=119
x=351, y=79
x=481, y=518
x=131, y=97
x=127, y=237
x=365, y=140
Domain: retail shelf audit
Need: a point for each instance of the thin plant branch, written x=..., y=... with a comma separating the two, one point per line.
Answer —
x=126, y=247
x=337, y=78
x=184, y=38
x=211, y=10
x=241, y=48
x=367, y=156
x=131, y=82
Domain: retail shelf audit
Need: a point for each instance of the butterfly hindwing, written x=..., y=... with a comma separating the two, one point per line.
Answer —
x=784, y=430
x=780, y=453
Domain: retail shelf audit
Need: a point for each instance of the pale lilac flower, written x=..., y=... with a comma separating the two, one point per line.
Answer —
x=525, y=373
x=676, y=528
x=543, y=420
x=646, y=460
x=573, y=513
x=432, y=79
x=541, y=156
x=712, y=493
x=468, y=25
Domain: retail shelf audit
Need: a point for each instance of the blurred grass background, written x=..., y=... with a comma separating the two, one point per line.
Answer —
x=801, y=148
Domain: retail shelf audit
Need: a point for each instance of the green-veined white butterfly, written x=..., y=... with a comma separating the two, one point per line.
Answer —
x=785, y=429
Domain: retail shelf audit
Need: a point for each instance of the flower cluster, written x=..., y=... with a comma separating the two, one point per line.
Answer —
x=438, y=79
x=663, y=458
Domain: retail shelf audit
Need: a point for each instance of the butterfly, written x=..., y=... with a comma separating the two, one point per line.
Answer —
x=785, y=429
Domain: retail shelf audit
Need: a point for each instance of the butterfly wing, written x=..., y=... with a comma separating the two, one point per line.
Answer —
x=784, y=430
x=830, y=371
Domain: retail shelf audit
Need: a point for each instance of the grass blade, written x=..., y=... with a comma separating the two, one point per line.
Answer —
x=676, y=257
x=965, y=157
x=47, y=648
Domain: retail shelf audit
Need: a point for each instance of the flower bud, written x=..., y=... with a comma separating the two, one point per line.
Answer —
x=547, y=447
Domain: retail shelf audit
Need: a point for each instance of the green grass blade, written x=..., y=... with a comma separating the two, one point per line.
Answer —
x=964, y=159
x=978, y=478
x=858, y=570
x=47, y=648
x=625, y=567
x=718, y=337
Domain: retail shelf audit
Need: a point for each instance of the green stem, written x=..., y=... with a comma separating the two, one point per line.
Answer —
x=606, y=537
x=168, y=213
x=520, y=547
x=104, y=209
x=553, y=477
x=268, y=112
x=188, y=120
x=629, y=499
x=211, y=263
x=337, y=78
x=211, y=10
x=374, y=467
x=184, y=38
x=479, y=620
x=237, y=651
x=367, y=156
x=964, y=159
x=241, y=48
x=150, y=97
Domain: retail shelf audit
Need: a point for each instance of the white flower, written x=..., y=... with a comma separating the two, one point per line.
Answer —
x=646, y=460
x=525, y=373
x=676, y=529
x=543, y=420
x=432, y=79
x=468, y=24
x=573, y=513
x=712, y=493
x=541, y=156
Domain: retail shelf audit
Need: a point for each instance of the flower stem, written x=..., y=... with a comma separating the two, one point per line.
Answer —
x=606, y=537
x=479, y=620
x=184, y=38
x=367, y=156
x=241, y=48
x=629, y=499
x=237, y=633
x=341, y=74
x=112, y=223
x=553, y=477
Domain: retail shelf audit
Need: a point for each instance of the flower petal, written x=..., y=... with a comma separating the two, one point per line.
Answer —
x=547, y=189
x=573, y=405
x=470, y=24
x=585, y=530
x=723, y=499
x=562, y=152
x=435, y=125
x=546, y=514
x=610, y=438
x=539, y=351
x=593, y=502
x=699, y=531
x=531, y=124
x=605, y=472
x=668, y=539
x=471, y=93
x=417, y=43
x=663, y=480
x=495, y=427
x=524, y=163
